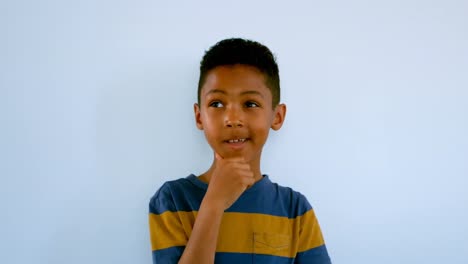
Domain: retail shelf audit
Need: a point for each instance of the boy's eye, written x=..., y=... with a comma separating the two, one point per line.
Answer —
x=251, y=104
x=216, y=104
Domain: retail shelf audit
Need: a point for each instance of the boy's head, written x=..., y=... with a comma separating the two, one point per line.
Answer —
x=234, y=51
x=238, y=98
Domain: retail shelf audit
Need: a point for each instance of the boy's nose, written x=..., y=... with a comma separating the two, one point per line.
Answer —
x=233, y=118
x=234, y=123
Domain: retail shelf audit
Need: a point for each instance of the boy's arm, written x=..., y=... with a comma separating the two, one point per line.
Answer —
x=201, y=246
x=230, y=178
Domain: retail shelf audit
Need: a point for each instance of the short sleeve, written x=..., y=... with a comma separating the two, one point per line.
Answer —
x=312, y=247
x=167, y=235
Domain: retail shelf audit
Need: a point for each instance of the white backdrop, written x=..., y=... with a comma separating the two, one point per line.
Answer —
x=96, y=113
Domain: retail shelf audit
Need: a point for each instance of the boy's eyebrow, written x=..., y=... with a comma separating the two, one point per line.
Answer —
x=215, y=91
x=253, y=92
x=243, y=93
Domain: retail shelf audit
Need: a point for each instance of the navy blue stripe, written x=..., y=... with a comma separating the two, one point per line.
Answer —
x=167, y=255
x=314, y=255
x=186, y=195
x=236, y=258
x=173, y=254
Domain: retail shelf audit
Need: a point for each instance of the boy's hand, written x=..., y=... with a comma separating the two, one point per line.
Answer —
x=230, y=178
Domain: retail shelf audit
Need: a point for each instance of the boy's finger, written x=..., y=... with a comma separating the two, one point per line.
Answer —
x=236, y=159
x=217, y=156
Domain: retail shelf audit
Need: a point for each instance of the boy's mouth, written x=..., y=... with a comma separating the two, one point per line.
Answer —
x=238, y=140
x=237, y=143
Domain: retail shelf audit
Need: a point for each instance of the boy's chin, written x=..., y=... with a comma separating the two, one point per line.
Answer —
x=230, y=155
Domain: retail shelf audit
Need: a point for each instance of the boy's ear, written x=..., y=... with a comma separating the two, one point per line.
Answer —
x=279, y=115
x=196, y=110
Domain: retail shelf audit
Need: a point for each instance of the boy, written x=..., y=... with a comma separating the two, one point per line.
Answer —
x=232, y=213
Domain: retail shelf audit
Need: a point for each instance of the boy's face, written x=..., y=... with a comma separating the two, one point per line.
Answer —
x=236, y=112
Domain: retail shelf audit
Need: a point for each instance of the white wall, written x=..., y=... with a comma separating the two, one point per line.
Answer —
x=96, y=113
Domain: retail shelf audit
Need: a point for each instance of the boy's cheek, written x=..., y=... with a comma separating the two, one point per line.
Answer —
x=212, y=141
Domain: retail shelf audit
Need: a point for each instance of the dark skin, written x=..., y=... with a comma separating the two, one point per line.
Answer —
x=236, y=115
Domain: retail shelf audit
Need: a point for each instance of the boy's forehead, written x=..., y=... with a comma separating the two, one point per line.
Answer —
x=240, y=79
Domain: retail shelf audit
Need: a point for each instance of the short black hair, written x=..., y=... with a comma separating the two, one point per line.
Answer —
x=246, y=52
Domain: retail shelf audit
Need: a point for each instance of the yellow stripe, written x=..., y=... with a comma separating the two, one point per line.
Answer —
x=242, y=232
x=257, y=233
x=310, y=236
x=169, y=229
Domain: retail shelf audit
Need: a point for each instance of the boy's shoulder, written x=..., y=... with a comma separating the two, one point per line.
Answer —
x=289, y=199
x=174, y=194
x=287, y=190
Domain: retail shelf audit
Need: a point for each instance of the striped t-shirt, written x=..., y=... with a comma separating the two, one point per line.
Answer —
x=267, y=224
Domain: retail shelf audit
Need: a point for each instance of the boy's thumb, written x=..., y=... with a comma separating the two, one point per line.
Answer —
x=218, y=157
